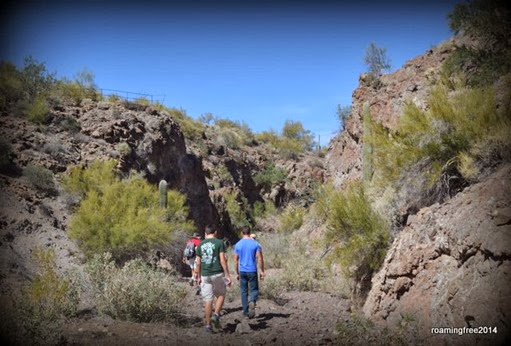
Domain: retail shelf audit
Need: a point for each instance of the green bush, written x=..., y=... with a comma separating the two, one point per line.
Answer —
x=121, y=216
x=36, y=313
x=275, y=249
x=11, y=85
x=358, y=330
x=237, y=210
x=70, y=124
x=289, y=148
x=134, y=292
x=39, y=177
x=453, y=128
x=38, y=112
x=270, y=176
x=291, y=219
x=358, y=235
x=191, y=129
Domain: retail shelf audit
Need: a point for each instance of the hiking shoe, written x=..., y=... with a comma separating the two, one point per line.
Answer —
x=215, y=323
x=191, y=281
x=197, y=292
x=251, y=310
x=208, y=329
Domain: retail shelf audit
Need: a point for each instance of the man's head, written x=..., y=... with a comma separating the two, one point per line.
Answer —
x=209, y=230
x=196, y=235
x=245, y=230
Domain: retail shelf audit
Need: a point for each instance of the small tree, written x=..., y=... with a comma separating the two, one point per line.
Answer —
x=343, y=112
x=376, y=60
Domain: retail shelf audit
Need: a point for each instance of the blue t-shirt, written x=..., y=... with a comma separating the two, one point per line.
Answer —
x=246, y=250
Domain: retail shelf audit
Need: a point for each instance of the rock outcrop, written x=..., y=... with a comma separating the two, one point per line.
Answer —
x=385, y=102
x=451, y=265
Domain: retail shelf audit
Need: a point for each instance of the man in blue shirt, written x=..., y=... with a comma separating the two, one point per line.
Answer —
x=247, y=254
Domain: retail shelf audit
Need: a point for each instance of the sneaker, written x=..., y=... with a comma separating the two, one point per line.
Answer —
x=215, y=322
x=208, y=329
x=251, y=310
x=197, y=291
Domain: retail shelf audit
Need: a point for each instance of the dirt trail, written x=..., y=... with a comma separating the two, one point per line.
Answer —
x=303, y=318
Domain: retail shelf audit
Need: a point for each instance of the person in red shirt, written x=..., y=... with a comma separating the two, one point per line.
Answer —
x=189, y=254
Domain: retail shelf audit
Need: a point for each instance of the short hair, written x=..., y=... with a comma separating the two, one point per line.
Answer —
x=245, y=230
x=209, y=229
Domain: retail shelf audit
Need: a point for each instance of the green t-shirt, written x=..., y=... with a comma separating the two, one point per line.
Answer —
x=209, y=252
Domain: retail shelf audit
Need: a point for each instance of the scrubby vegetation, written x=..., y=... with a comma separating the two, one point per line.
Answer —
x=358, y=330
x=356, y=235
x=121, y=216
x=455, y=134
x=35, y=314
x=39, y=177
x=270, y=176
x=134, y=292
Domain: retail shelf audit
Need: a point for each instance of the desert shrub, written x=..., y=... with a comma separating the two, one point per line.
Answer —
x=113, y=98
x=70, y=124
x=191, y=129
x=291, y=219
x=38, y=112
x=343, y=112
x=275, y=249
x=134, y=292
x=236, y=210
x=39, y=177
x=123, y=148
x=270, y=176
x=121, y=216
x=143, y=101
x=323, y=196
x=301, y=272
x=11, y=85
x=376, y=60
x=454, y=127
x=37, y=81
x=224, y=176
x=36, y=313
x=358, y=330
x=289, y=148
x=239, y=132
x=228, y=138
x=358, y=235
x=270, y=136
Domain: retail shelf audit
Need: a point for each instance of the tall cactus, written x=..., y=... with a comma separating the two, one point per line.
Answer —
x=163, y=194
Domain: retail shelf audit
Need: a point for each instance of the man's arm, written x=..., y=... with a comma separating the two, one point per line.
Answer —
x=236, y=266
x=223, y=262
x=197, y=275
x=260, y=261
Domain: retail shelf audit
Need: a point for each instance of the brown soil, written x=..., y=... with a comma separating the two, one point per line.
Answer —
x=302, y=318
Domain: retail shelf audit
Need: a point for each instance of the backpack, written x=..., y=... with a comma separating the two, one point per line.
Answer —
x=189, y=250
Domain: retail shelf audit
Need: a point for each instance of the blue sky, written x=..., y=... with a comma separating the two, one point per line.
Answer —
x=262, y=62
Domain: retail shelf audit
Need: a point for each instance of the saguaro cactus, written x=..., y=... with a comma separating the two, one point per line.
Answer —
x=163, y=194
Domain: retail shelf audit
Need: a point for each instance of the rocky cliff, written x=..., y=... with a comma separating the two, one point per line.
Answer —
x=450, y=264
x=385, y=101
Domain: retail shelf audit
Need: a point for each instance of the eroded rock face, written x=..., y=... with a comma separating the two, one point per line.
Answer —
x=451, y=265
x=412, y=83
x=155, y=146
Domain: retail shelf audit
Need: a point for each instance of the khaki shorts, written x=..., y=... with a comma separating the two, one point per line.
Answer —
x=212, y=286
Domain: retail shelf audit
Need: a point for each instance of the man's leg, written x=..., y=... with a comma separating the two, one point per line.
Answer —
x=244, y=292
x=207, y=296
x=254, y=287
x=207, y=311
x=254, y=293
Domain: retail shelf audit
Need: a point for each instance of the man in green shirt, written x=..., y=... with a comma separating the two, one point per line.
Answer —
x=211, y=270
